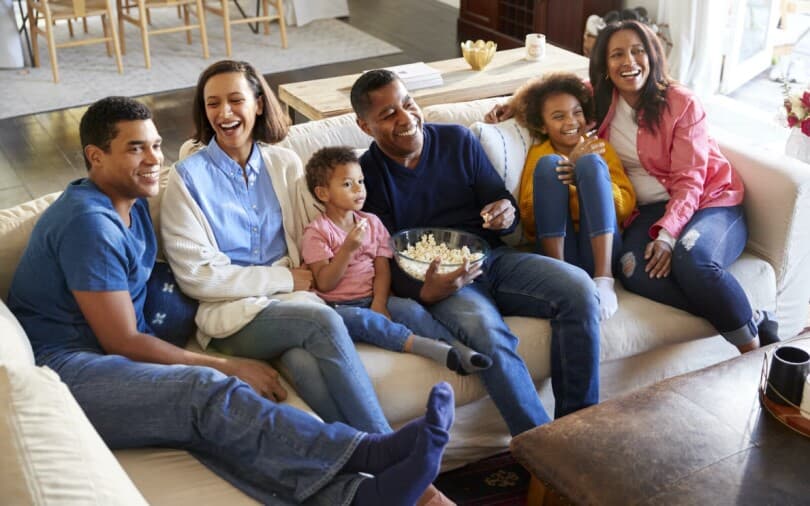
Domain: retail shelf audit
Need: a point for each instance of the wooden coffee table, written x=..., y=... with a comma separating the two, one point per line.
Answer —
x=323, y=98
x=700, y=438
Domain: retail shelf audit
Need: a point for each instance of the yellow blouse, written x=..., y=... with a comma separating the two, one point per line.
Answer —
x=624, y=197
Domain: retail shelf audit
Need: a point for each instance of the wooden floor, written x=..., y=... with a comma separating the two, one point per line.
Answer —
x=41, y=153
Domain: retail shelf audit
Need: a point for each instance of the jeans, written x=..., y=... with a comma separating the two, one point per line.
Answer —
x=699, y=282
x=272, y=452
x=597, y=212
x=407, y=317
x=525, y=284
x=326, y=372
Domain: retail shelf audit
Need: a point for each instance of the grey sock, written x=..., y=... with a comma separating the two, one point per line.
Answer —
x=436, y=350
x=471, y=360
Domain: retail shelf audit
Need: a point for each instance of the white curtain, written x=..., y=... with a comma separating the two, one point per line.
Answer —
x=301, y=12
x=698, y=32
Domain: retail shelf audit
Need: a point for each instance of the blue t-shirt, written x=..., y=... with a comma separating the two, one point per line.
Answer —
x=449, y=186
x=80, y=243
x=245, y=218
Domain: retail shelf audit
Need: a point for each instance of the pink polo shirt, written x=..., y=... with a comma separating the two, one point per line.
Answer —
x=684, y=159
x=322, y=239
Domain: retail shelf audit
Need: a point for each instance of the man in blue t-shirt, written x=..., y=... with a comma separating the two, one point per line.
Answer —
x=79, y=293
x=420, y=175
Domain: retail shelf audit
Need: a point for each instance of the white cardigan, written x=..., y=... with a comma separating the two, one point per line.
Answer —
x=232, y=295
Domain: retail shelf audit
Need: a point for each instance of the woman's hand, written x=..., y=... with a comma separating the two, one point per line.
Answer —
x=302, y=279
x=498, y=215
x=440, y=286
x=500, y=112
x=659, y=259
x=259, y=375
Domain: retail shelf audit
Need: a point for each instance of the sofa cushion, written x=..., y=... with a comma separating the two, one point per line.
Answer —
x=16, y=224
x=168, y=310
x=15, y=348
x=462, y=113
x=307, y=138
x=49, y=452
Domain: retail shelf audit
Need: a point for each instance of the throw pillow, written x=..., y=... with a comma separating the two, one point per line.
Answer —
x=506, y=145
x=168, y=310
x=49, y=452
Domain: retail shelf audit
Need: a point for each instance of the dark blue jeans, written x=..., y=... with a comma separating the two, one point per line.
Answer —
x=525, y=284
x=597, y=211
x=699, y=282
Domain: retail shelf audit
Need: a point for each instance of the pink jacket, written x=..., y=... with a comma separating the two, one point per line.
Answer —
x=684, y=159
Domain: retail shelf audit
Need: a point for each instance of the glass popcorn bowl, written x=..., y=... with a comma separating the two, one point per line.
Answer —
x=415, y=248
x=479, y=53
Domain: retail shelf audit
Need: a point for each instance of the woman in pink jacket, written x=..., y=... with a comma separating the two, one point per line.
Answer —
x=690, y=225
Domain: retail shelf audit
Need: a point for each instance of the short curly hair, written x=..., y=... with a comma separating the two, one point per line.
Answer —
x=323, y=163
x=530, y=98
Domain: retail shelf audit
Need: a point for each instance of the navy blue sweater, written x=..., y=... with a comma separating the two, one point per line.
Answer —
x=452, y=182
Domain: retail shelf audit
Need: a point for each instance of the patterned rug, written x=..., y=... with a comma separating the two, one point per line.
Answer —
x=496, y=481
x=87, y=73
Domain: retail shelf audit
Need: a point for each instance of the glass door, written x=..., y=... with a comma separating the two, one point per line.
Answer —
x=750, y=38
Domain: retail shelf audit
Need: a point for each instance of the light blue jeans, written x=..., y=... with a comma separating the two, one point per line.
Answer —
x=699, y=282
x=597, y=211
x=525, y=284
x=272, y=452
x=320, y=359
x=407, y=317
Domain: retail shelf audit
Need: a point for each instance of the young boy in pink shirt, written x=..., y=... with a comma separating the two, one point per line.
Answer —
x=348, y=252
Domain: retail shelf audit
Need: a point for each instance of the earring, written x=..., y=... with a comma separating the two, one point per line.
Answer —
x=607, y=76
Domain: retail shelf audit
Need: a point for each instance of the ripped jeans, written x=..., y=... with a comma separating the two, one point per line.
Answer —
x=699, y=282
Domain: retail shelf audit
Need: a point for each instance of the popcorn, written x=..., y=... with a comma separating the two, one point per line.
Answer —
x=426, y=250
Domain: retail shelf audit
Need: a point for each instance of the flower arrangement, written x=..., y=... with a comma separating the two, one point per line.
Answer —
x=797, y=109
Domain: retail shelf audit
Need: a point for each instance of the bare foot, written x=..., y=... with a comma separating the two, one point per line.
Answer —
x=751, y=345
x=434, y=497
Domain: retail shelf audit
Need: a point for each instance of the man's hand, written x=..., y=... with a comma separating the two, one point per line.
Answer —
x=659, y=259
x=498, y=215
x=259, y=375
x=302, y=279
x=440, y=286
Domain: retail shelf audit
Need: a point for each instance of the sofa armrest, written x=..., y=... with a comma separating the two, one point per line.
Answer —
x=777, y=207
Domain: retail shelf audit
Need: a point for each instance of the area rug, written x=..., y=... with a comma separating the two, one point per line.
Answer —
x=496, y=481
x=87, y=73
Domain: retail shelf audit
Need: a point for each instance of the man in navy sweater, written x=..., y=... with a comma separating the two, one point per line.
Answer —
x=421, y=175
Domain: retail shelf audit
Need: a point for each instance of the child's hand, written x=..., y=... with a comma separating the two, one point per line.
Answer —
x=357, y=236
x=566, y=172
x=302, y=279
x=379, y=307
x=587, y=145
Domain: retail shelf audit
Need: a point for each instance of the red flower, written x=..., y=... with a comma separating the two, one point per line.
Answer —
x=806, y=127
x=806, y=99
x=792, y=120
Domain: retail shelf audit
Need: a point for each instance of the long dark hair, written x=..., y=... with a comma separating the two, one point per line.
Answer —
x=653, y=93
x=270, y=127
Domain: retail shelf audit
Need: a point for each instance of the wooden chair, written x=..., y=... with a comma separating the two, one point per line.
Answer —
x=142, y=21
x=221, y=8
x=53, y=10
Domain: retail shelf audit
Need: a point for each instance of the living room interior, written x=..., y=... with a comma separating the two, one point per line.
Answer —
x=737, y=71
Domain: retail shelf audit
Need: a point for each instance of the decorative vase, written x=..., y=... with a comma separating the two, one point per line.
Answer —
x=798, y=145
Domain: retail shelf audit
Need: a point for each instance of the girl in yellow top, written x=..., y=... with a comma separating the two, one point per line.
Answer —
x=574, y=191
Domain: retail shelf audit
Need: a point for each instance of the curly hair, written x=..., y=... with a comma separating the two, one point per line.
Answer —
x=530, y=98
x=323, y=163
x=270, y=127
x=653, y=93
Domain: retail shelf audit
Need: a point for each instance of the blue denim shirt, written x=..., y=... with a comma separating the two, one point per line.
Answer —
x=245, y=217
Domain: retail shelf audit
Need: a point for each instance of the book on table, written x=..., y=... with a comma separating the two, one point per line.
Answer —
x=417, y=75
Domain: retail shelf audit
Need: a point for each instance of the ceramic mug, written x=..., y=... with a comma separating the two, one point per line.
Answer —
x=789, y=368
x=535, y=46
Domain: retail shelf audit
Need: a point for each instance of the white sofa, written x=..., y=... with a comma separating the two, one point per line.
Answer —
x=643, y=343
